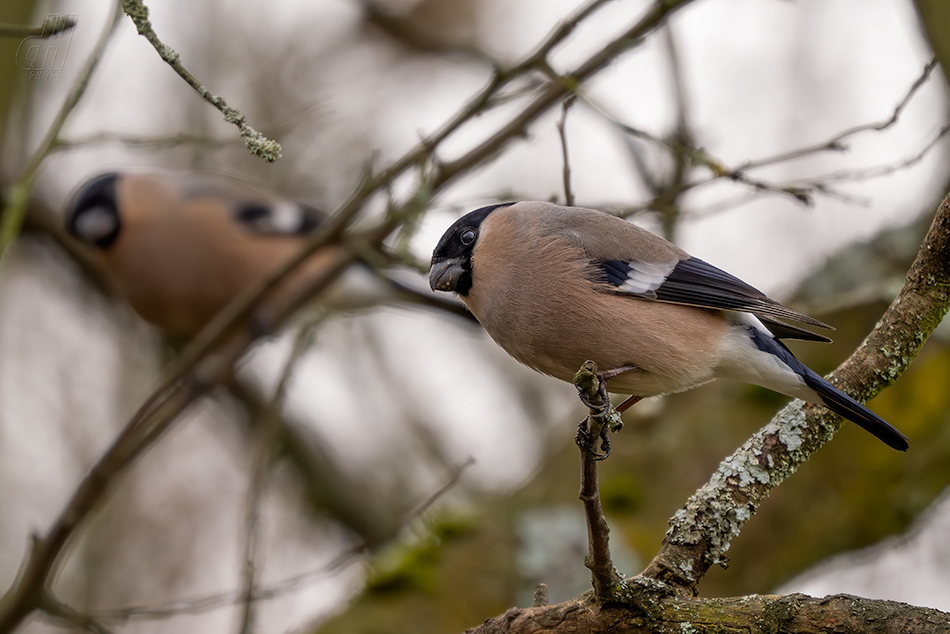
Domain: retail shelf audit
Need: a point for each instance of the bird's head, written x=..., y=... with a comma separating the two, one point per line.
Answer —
x=93, y=215
x=451, y=267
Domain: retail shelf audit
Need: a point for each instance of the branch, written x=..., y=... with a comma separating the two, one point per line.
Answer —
x=152, y=143
x=565, y=155
x=836, y=143
x=255, y=142
x=607, y=582
x=790, y=614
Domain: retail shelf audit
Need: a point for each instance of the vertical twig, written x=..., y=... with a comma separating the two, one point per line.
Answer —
x=682, y=141
x=566, y=171
x=607, y=582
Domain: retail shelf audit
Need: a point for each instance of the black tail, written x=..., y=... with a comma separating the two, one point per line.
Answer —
x=842, y=404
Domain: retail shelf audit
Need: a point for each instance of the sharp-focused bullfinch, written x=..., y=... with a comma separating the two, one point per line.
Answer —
x=555, y=286
x=181, y=246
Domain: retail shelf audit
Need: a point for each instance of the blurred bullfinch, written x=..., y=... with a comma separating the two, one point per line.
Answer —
x=181, y=246
x=555, y=286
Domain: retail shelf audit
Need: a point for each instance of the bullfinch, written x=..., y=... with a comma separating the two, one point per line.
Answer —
x=555, y=286
x=181, y=246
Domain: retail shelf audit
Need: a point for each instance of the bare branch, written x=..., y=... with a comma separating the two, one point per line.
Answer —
x=153, y=143
x=802, y=191
x=835, y=143
x=607, y=582
x=59, y=611
x=565, y=156
x=882, y=170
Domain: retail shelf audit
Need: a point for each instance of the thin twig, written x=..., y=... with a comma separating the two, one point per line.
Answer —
x=883, y=170
x=607, y=582
x=802, y=191
x=835, y=143
x=59, y=611
x=256, y=143
x=565, y=157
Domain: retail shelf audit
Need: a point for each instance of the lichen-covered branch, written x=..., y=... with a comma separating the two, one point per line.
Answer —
x=790, y=614
x=255, y=142
x=701, y=532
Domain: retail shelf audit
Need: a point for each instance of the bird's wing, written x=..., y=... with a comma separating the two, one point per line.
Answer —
x=277, y=217
x=693, y=282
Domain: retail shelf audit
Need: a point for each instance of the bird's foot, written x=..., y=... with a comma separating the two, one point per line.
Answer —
x=603, y=417
x=599, y=410
x=586, y=442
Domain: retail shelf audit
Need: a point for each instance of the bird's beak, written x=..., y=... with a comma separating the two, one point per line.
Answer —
x=444, y=275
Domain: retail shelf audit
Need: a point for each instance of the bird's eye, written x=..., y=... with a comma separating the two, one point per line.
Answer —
x=467, y=237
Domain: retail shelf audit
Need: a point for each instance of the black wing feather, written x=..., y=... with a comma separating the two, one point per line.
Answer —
x=697, y=283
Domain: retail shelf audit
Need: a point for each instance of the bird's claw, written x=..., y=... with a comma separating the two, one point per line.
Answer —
x=585, y=442
x=599, y=410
